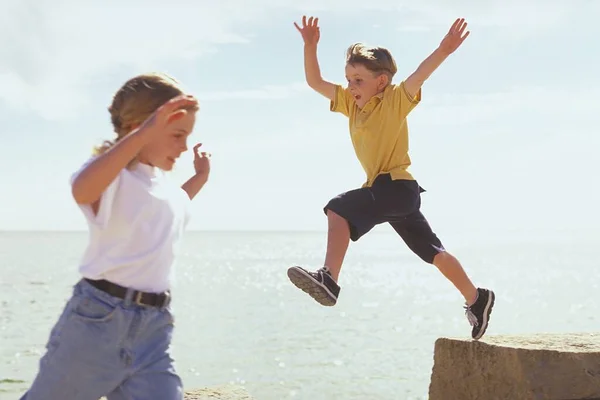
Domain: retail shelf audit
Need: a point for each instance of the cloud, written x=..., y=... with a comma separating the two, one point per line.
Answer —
x=268, y=92
x=546, y=105
x=51, y=53
x=515, y=18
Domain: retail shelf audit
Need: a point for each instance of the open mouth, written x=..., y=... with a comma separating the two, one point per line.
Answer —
x=357, y=97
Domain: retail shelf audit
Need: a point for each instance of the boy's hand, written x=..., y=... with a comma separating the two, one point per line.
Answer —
x=454, y=38
x=310, y=31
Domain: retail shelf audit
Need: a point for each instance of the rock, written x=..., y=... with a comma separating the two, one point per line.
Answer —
x=216, y=393
x=220, y=393
x=536, y=367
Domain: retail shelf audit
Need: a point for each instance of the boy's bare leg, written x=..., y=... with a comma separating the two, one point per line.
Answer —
x=450, y=267
x=338, y=239
x=479, y=301
x=321, y=284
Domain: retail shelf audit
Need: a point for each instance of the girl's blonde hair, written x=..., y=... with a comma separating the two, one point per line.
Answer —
x=378, y=60
x=135, y=101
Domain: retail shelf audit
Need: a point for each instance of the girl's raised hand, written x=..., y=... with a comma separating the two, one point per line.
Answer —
x=172, y=110
x=201, y=161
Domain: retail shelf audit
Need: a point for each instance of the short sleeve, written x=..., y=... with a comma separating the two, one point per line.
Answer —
x=99, y=220
x=403, y=101
x=343, y=101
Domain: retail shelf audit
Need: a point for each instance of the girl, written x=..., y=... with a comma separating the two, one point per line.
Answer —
x=114, y=334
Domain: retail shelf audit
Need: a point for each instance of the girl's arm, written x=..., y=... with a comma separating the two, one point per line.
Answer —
x=93, y=180
x=202, y=167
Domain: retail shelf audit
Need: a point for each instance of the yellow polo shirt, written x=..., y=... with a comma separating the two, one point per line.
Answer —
x=379, y=130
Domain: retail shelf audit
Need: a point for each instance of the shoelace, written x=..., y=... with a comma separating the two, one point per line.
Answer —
x=317, y=274
x=471, y=317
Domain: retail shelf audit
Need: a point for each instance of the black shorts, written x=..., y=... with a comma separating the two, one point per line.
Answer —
x=396, y=202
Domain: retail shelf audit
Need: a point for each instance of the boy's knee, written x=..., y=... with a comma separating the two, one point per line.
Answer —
x=336, y=220
x=333, y=215
x=441, y=258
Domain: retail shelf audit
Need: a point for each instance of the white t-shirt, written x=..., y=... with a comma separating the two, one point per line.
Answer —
x=135, y=235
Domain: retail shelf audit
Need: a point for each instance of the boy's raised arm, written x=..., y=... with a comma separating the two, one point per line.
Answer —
x=452, y=41
x=310, y=34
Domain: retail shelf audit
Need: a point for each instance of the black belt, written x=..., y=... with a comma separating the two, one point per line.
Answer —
x=142, y=298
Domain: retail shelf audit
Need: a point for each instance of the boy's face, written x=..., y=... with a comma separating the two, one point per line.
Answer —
x=164, y=151
x=364, y=84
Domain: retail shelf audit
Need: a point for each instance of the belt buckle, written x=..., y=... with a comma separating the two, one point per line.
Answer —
x=167, y=299
x=137, y=299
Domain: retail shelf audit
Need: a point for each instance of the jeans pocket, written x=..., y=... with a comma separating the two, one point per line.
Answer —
x=92, y=309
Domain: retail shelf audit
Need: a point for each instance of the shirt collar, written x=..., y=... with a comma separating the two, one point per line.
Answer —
x=146, y=170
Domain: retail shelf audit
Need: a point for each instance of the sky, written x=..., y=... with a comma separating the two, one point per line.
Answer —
x=504, y=139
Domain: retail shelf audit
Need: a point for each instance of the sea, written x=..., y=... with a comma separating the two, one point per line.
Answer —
x=239, y=321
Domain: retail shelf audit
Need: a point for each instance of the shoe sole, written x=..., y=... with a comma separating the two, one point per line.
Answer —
x=309, y=285
x=486, y=315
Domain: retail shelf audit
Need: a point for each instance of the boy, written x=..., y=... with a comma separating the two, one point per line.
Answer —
x=377, y=112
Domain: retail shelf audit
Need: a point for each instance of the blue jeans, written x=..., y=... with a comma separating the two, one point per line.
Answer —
x=106, y=346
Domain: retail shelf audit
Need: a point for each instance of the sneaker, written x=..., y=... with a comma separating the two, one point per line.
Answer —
x=319, y=285
x=479, y=312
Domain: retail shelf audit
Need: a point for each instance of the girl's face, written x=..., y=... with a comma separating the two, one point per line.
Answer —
x=363, y=84
x=163, y=152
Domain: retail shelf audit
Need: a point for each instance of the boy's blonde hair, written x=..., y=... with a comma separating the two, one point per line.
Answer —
x=378, y=60
x=136, y=100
